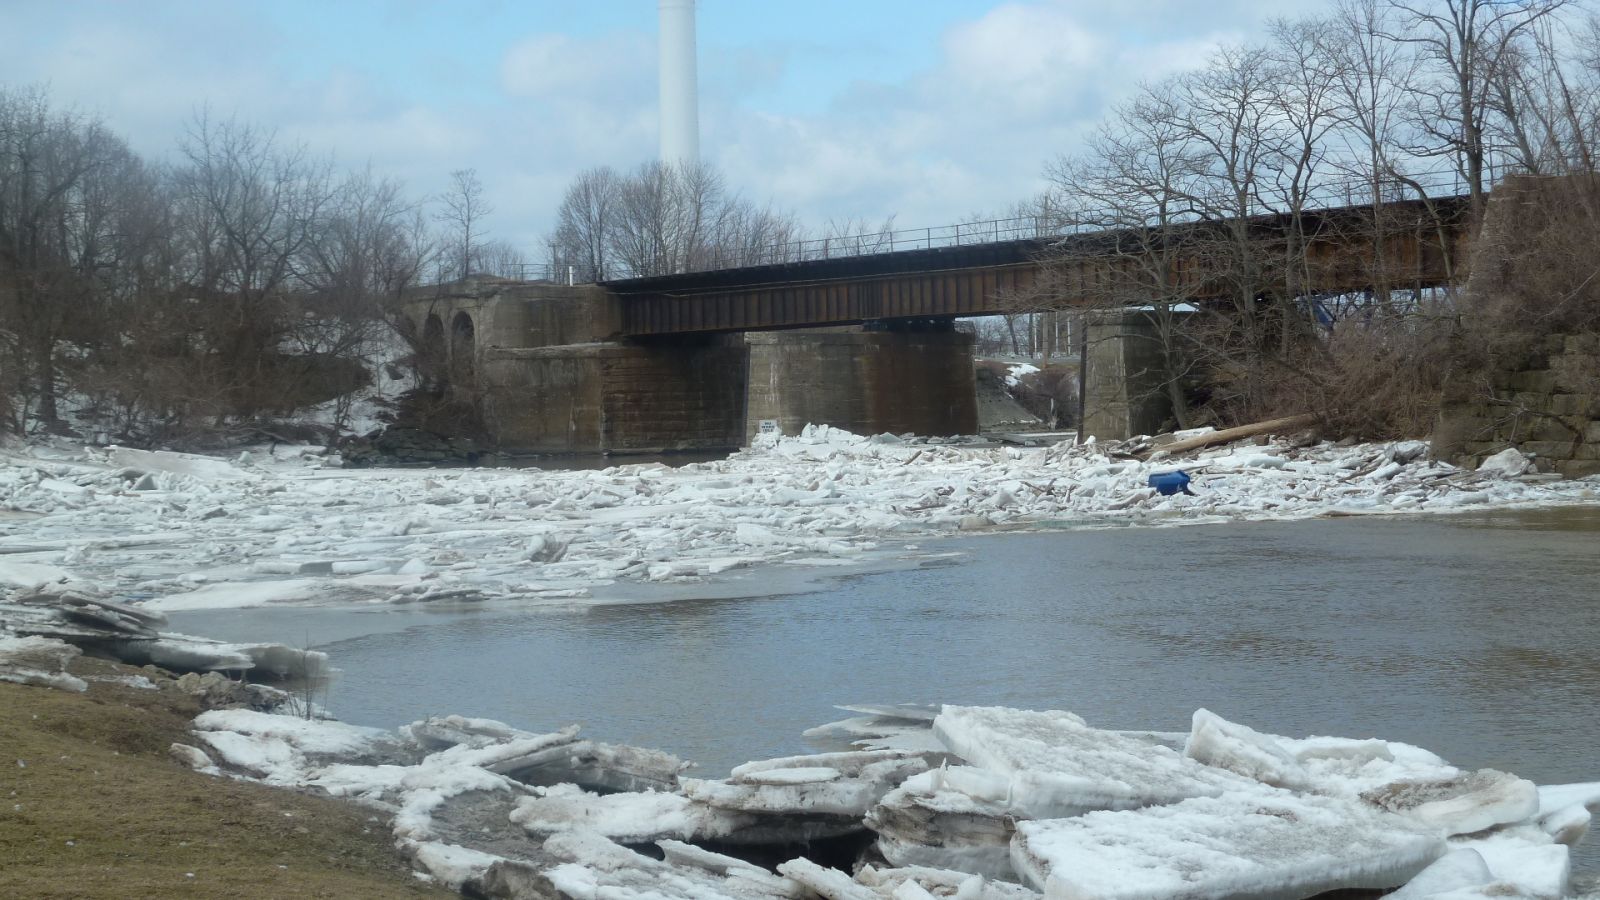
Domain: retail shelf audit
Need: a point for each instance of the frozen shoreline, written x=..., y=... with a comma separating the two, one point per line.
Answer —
x=181, y=532
x=975, y=802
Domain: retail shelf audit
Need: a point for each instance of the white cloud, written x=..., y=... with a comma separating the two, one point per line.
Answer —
x=1007, y=91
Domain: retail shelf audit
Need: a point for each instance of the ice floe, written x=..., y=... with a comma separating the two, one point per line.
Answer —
x=176, y=531
x=39, y=661
x=1259, y=844
x=1012, y=804
x=80, y=615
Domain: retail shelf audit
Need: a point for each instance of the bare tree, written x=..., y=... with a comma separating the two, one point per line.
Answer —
x=59, y=176
x=1370, y=77
x=585, y=224
x=462, y=209
x=1465, y=44
x=1305, y=110
x=250, y=210
x=501, y=259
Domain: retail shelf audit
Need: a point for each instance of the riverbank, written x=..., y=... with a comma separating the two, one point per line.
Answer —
x=989, y=803
x=95, y=807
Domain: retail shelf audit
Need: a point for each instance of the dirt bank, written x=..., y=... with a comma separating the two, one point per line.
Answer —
x=91, y=805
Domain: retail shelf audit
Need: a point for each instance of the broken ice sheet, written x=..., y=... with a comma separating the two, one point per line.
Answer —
x=954, y=817
x=1267, y=844
x=1061, y=763
x=628, y=818
x=594, y=866
x=1218, y=742
x=1466, y=803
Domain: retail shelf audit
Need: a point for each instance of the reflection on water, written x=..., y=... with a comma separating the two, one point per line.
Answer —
x=1474, y=636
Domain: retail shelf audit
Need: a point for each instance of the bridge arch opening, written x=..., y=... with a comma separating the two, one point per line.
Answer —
x=463, y=347
x=432, y=363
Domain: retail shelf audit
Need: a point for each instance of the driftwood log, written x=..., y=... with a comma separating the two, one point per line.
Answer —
x=1229, y=435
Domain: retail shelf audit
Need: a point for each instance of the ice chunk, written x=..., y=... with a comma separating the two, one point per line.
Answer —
x=39, y=661
x=1346, y=767
x=30, y=574
x=202, y=467
x=634, y=818
x=944, y=883
x=830, y=884
x=449, y=864
x=852, y=764
x=193, y=757
x=835, y=784
x=953, y=818
x=182, y=653
x=311, y=736
x=1567, y=825
x=684, y=855
x=834, y=796
x=1525, y=857
x=271, y=758
x=884, y=727
x=1343, y=749
x=239, y=595
x=1061, y=763
x=1508, y=463
x=604, y=767
x=1270, y=844
x=1218, y=742
x=1463, y=804
x=818, y=775
x=1455, y=870
x=599, y=868
x=1556, y=796
x=443, y=732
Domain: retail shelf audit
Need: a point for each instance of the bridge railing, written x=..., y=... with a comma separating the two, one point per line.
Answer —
x=1056, y=223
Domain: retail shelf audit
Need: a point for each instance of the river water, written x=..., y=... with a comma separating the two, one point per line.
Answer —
x=1476, y=636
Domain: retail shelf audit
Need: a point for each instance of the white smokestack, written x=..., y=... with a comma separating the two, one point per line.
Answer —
x=680, y=113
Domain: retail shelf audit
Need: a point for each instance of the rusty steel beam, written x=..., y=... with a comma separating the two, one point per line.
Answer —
x=1424, y=241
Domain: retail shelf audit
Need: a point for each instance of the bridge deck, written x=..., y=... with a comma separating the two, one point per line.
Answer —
x=1422, y=240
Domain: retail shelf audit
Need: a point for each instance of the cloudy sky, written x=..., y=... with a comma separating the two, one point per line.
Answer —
x=929, y=110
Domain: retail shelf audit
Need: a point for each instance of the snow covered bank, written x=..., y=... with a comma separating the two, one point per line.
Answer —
x=175, y=532
x=995, y=803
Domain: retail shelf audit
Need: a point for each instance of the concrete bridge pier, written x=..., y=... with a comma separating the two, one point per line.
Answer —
x=1123, y=389
x=867, y=382
x=616, y=396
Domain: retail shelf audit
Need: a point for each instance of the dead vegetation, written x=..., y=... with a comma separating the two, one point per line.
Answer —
x=96, y=808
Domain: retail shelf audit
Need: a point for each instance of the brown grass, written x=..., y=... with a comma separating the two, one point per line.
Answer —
x=97, y=809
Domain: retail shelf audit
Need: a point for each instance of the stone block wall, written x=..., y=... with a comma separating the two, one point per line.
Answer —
x=1528, y=271
x=543, y=400
x=868, y=382
x=1549, y=407
x=615, y=397
x=679, y=396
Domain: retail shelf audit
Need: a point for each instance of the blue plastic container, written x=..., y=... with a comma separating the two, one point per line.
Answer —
x=1169, y=483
